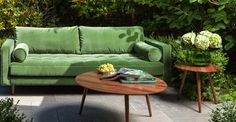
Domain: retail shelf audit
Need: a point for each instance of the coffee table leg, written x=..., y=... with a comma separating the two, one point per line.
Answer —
x=182, y=84
x=148, y=104
x=199, y=92
x=83, y=99
x=126, y=108
x=212, y=87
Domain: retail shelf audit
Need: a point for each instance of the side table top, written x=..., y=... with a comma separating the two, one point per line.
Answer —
x=91, y=81
x=208, y=68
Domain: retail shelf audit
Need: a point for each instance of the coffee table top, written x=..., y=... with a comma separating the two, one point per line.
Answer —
x=91, y=81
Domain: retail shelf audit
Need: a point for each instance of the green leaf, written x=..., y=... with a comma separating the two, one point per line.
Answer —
x=221, y=7
x=226, y=21
x=223, y=2
x=231, y=42
x=211, y=10
x=179, y=12
x=197, y=16
x=229, y=45
x=192, y=1
x=219, y=16
x=220, y=26
x=200, y=1
x=208, y=27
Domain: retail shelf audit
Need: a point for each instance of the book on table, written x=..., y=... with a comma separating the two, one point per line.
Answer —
x=127, y=75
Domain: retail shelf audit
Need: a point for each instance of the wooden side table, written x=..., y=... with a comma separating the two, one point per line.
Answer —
x=198, y=70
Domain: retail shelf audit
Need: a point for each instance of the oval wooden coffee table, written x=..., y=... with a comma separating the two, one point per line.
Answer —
x=90, y=80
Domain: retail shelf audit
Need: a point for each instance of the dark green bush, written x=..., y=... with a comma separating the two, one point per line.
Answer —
x=9, y=112
x=19, y=12
x=162, y=17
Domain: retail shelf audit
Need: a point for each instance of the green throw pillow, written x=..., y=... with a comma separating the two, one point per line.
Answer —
x=109, y=40
x=49, y=40
x=150, y=52
x=20, y=52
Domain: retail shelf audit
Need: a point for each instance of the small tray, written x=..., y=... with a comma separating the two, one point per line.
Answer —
x=138, y=81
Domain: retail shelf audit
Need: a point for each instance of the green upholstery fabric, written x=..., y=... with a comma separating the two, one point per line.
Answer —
x=43, y=81
x=55, y=59
x=49, y=40
x=72, y=64
x=166, y=57
x=20, y=52
x=148, y=51
x=109, y=39
x=6, y=51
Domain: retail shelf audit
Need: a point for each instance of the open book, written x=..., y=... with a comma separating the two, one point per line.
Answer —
x=127, y=75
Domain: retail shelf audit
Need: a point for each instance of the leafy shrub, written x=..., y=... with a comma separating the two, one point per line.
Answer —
x=225, y=112
x=229, y=89
x=9, y=112
x=105, y=12
x=19, y=12
x=230, y=96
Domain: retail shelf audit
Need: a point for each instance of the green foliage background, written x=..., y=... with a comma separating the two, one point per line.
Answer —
x=161, y=17
x=158, y=17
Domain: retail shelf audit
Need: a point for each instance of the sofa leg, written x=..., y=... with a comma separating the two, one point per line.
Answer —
x=13, y=89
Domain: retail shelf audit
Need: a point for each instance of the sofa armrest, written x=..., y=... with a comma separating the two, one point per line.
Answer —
x=6, y=50
x=166, y=56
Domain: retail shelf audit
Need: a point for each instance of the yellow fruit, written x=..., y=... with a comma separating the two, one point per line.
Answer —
x=106, y=67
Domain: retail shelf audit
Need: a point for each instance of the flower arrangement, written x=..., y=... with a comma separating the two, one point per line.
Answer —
x=197, y=47
x=203, y=41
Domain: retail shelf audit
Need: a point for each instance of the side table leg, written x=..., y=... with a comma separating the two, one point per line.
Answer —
x=212, y=87
x=83, y=99
x=149, y=106
x=126, y=108
x=199, y=92
x=182, y=83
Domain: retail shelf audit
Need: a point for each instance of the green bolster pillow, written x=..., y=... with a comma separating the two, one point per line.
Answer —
x=20, y=52
x=150, y=52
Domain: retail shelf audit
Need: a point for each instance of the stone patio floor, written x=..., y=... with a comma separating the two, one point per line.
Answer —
x=61, y=104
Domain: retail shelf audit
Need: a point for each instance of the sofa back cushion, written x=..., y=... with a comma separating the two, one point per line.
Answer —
x=49, y=40
x=109, y=39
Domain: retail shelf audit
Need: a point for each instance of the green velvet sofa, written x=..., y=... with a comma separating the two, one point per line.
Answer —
x=54, y=56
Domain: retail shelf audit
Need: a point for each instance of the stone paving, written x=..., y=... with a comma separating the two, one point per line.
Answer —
x=58, y=104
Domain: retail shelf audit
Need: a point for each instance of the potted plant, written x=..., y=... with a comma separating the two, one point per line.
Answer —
x=199, y=46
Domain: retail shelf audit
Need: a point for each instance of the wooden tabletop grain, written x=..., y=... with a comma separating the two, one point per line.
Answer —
x=208, y=68
x=91, y=81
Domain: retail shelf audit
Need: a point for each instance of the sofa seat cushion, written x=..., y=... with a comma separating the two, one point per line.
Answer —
x=72, y=64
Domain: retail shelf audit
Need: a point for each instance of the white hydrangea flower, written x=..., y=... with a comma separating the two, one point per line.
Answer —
x=189, y=38
x=206, y=33
x=215, y=41
x=202, y=42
